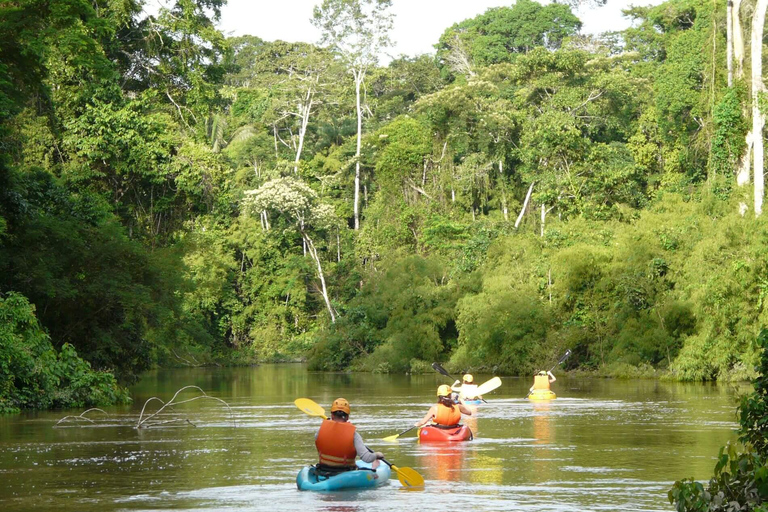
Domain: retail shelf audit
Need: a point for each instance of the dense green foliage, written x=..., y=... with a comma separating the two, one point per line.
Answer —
x=170, y=196
x=740, y=481
x=501, y=33
x=33, y=374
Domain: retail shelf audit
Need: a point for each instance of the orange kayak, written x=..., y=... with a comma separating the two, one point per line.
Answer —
x=433, y=434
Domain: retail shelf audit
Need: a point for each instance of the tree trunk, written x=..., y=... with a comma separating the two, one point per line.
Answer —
x=525, y=205
x=745, y=163
x=504, y=208
x=758, y=120
x=358, y=81
x=274, y=135
x=729, y=40
x=307, y=109
x=313, y=253
x=738, y=39
x=264, y=220
x=543, y=218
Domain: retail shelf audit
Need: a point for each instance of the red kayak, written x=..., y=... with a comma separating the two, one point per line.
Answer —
x=433, y=434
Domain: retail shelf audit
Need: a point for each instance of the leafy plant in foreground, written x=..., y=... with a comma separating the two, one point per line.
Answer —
x=740, y=482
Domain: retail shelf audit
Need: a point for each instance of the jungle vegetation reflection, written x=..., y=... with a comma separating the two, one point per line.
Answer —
x=602, y=445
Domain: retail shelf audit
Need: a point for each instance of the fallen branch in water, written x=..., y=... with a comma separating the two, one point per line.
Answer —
x=145, y=422
x=81, y=416
x=185, y=360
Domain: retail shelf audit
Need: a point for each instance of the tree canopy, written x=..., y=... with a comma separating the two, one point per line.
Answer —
x=171, y=196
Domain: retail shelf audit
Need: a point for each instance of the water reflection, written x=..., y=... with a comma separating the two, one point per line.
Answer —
x=443, y=461
x=543, y=465
x=471, y=421
x=608, y=445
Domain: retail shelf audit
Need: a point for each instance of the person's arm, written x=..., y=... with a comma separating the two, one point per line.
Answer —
x=465, y=410
x=456, y=386
x=430, y=414
x=551, y=377
x=363, y=452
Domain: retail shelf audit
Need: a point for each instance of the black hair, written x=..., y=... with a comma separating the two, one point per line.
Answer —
x=446, y=401
x=341, y=415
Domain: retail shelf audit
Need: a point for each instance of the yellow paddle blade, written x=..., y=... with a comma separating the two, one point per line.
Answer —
x=409, y=477
x=487, y=387
x=310, y=407
x=389, y=439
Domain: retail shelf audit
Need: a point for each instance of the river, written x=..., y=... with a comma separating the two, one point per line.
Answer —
x=602, y=445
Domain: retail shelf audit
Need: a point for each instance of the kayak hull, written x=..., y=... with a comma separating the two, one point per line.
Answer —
x=542, y=394
x=472, y=402
x=432, y=434
x=363, y=478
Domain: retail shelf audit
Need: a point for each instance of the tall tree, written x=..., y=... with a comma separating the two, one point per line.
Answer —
x=357, y=30
x=295, y=74
x=301, y=206
x=501, y=33
x=758, y=118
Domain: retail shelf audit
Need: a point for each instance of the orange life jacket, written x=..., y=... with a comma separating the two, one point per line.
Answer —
x=447, y=415
x=336, y=444
x=541, y=382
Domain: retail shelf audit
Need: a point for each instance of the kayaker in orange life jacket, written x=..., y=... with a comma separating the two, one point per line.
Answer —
x=445, y=413
x=338, y=442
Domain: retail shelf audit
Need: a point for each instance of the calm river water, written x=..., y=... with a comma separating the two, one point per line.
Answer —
x=603, y=445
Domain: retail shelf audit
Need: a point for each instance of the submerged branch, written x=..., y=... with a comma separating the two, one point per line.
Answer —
x=81, y=416
x=143, y=422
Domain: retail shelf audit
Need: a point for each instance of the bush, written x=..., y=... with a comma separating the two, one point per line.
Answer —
x=740, y=481
x=34, y=376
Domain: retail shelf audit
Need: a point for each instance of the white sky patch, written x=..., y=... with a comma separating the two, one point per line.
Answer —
x=418, y=23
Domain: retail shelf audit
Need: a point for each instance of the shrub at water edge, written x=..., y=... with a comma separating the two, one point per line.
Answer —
x=33, y=375
x=740, y=480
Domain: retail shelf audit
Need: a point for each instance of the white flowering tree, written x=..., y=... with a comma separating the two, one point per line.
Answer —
x=296, y=202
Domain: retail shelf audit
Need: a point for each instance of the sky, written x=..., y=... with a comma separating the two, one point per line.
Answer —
x=418, y=23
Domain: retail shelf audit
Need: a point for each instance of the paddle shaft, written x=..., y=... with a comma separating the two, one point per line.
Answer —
x=395, y=468
x=562, y=360
x=406, y=430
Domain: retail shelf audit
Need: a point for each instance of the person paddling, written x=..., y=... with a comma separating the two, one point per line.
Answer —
x=445, y=413
x=338, y=443
x=468, y=389
x=542, y=380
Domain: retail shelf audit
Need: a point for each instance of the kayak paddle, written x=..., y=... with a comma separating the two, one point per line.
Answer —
x=310, y=407
x=408, y=477
x=487, y=387
x=394, y=437
x=562, y=359
x=439, y=369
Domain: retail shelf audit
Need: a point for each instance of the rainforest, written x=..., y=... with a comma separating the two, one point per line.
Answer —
x=170, y=196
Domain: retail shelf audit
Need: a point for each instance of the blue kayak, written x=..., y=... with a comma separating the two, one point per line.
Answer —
x=363, y=478
x=473, y=402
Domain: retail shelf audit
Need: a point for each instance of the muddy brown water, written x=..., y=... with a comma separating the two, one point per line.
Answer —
x=602, y=445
